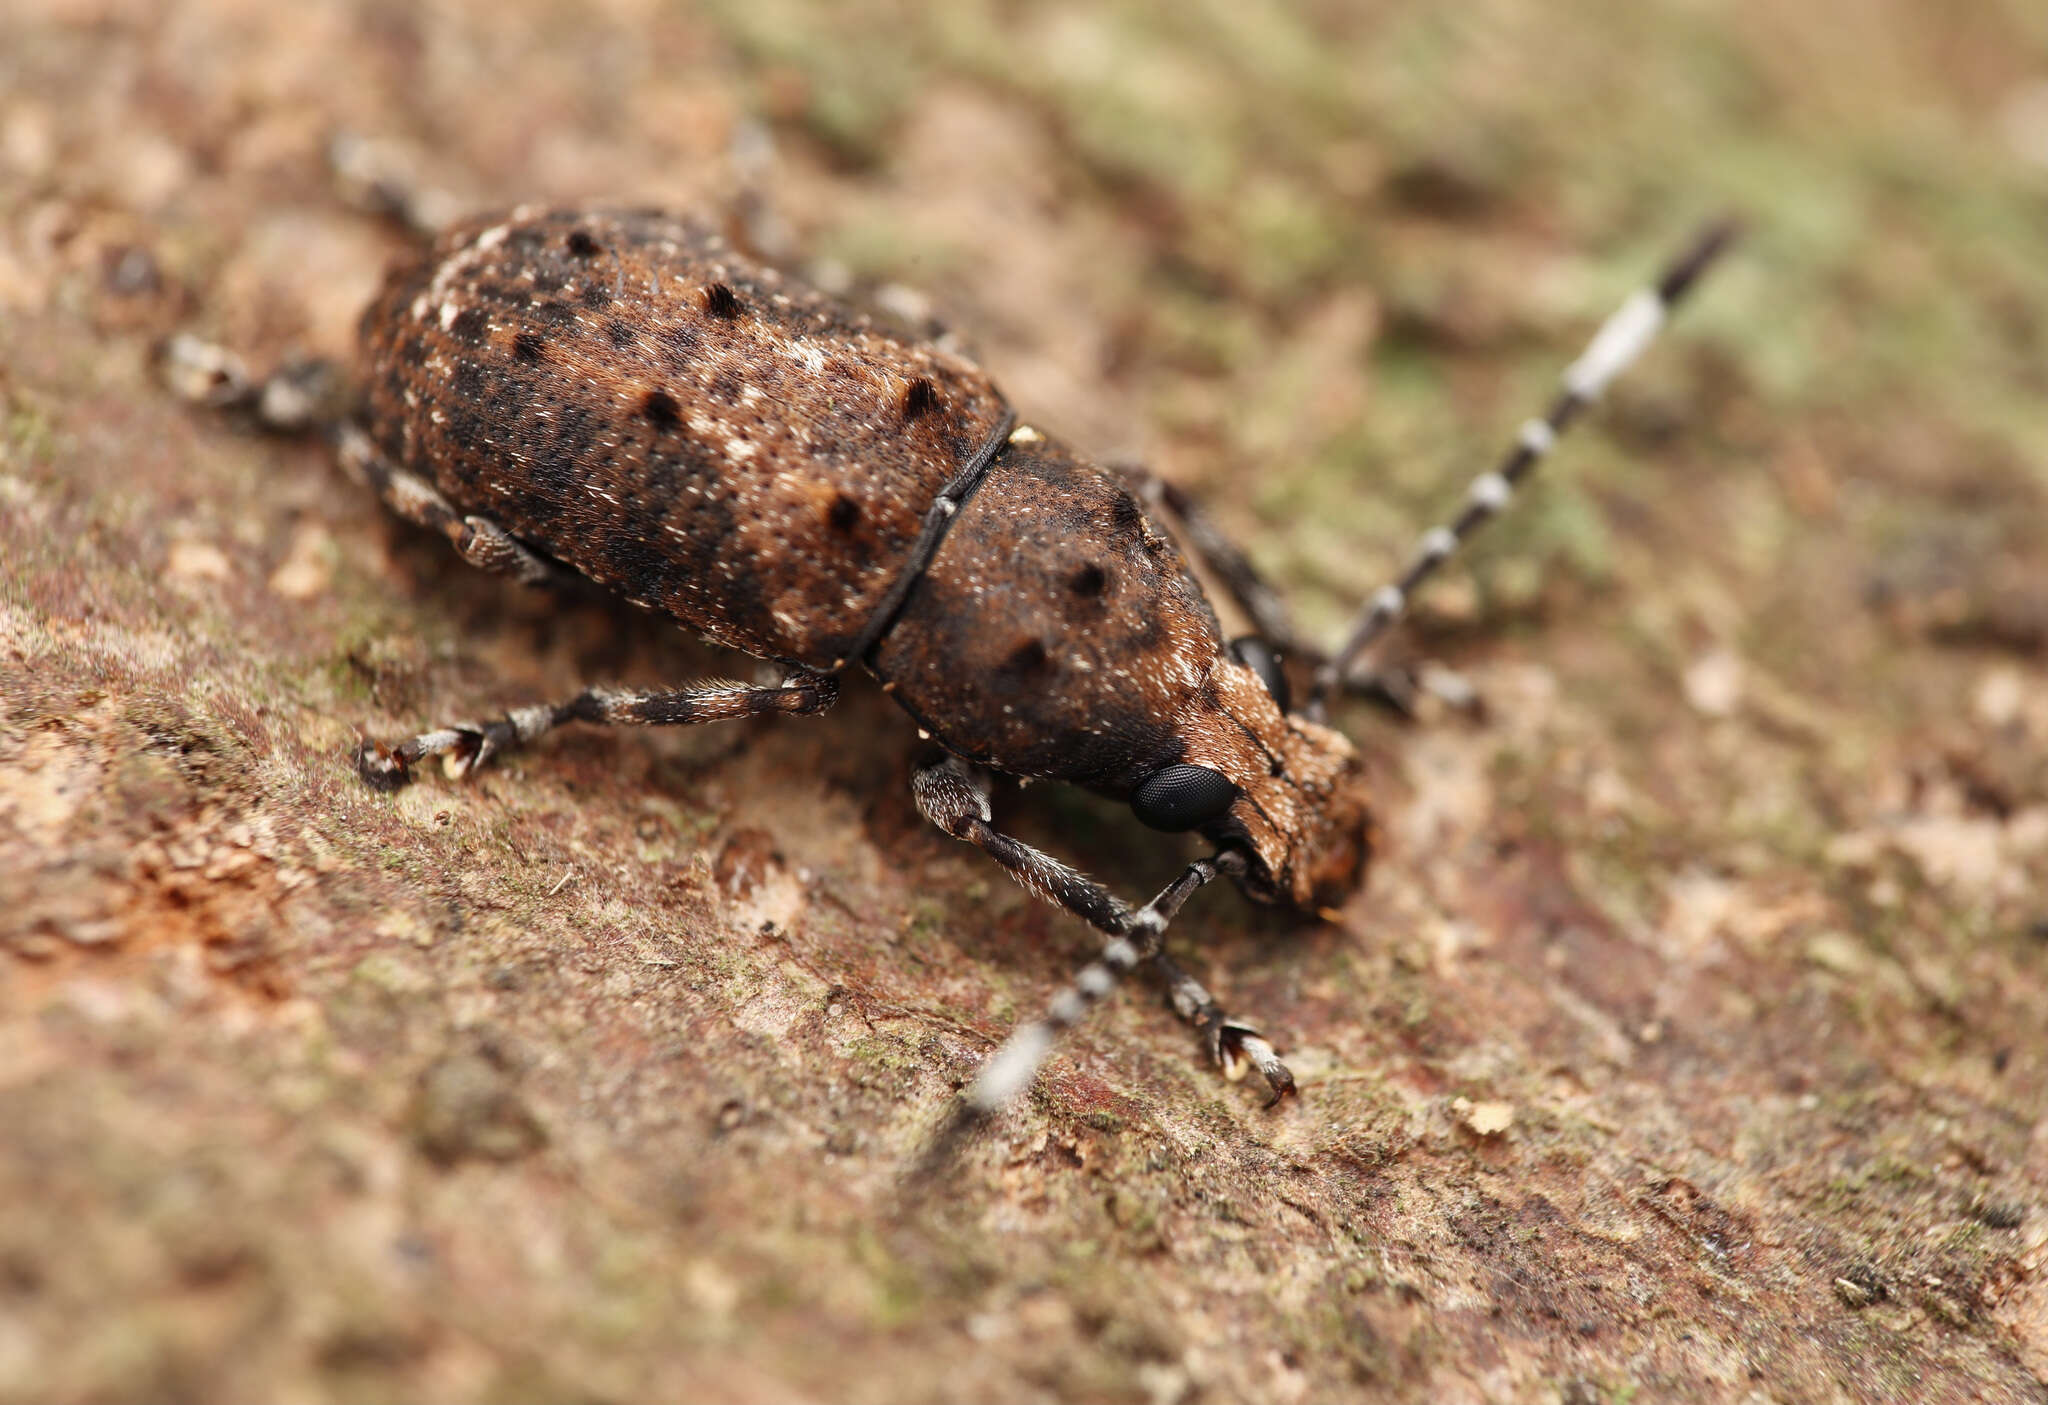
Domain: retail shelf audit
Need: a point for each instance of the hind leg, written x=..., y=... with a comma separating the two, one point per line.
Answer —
x=302, y=397
x=478, y=540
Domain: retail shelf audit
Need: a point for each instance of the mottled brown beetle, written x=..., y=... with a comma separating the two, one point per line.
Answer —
x=621, y=395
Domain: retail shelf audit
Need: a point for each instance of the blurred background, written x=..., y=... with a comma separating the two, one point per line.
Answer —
x=1686, y=1044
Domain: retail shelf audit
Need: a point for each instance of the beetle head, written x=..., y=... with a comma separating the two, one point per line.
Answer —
x=1305, y=829
x=1286, y=794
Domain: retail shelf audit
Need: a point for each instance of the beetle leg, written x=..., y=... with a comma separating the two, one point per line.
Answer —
x=1400, y=687
x=382, y=178
x=478, y=540
x=302, y=395
x=1396, y=687
x=954, y=796
x=951, y=794
x=469, y=746
x=1232, y=1044
x=1224, y=558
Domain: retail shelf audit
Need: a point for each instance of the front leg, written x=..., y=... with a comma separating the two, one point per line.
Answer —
x=952, y=795
x=1233, y=1045
x=1396, y=688
x=1212, y=546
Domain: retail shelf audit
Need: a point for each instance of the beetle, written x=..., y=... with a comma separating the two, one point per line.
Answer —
x=621, y=394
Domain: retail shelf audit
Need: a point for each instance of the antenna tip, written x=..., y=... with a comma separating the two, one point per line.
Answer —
x=1712, y=240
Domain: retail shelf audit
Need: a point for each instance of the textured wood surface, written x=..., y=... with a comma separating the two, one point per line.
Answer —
x=1686, y=1044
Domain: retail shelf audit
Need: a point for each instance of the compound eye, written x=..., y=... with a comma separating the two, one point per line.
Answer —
x=1261, y=658
x=1182, y=797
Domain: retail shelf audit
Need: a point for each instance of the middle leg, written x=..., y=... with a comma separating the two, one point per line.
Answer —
x=470, y=745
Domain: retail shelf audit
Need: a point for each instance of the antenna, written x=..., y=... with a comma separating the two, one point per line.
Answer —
x=1620, y=340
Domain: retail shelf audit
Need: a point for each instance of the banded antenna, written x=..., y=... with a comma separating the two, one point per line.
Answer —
x=1620, y=340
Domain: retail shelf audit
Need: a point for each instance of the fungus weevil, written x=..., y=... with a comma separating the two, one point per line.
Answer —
x=621, y=395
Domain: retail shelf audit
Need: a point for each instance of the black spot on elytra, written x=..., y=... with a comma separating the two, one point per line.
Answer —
x=619, y=334
x=580, y=245
x=1028, y=657
x=844, y=513
x=556, y=313
x=721, y=301
x=921, y=399
x=1089, y=582
x=661, y=410
x=529, y=347
x=469, y=325
x=596, y=297
x=468, y=381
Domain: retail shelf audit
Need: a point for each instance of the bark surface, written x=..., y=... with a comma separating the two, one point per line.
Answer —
x=1687, y=1042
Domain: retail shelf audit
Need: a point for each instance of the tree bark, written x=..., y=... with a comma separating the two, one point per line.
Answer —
x=1685, y=1044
